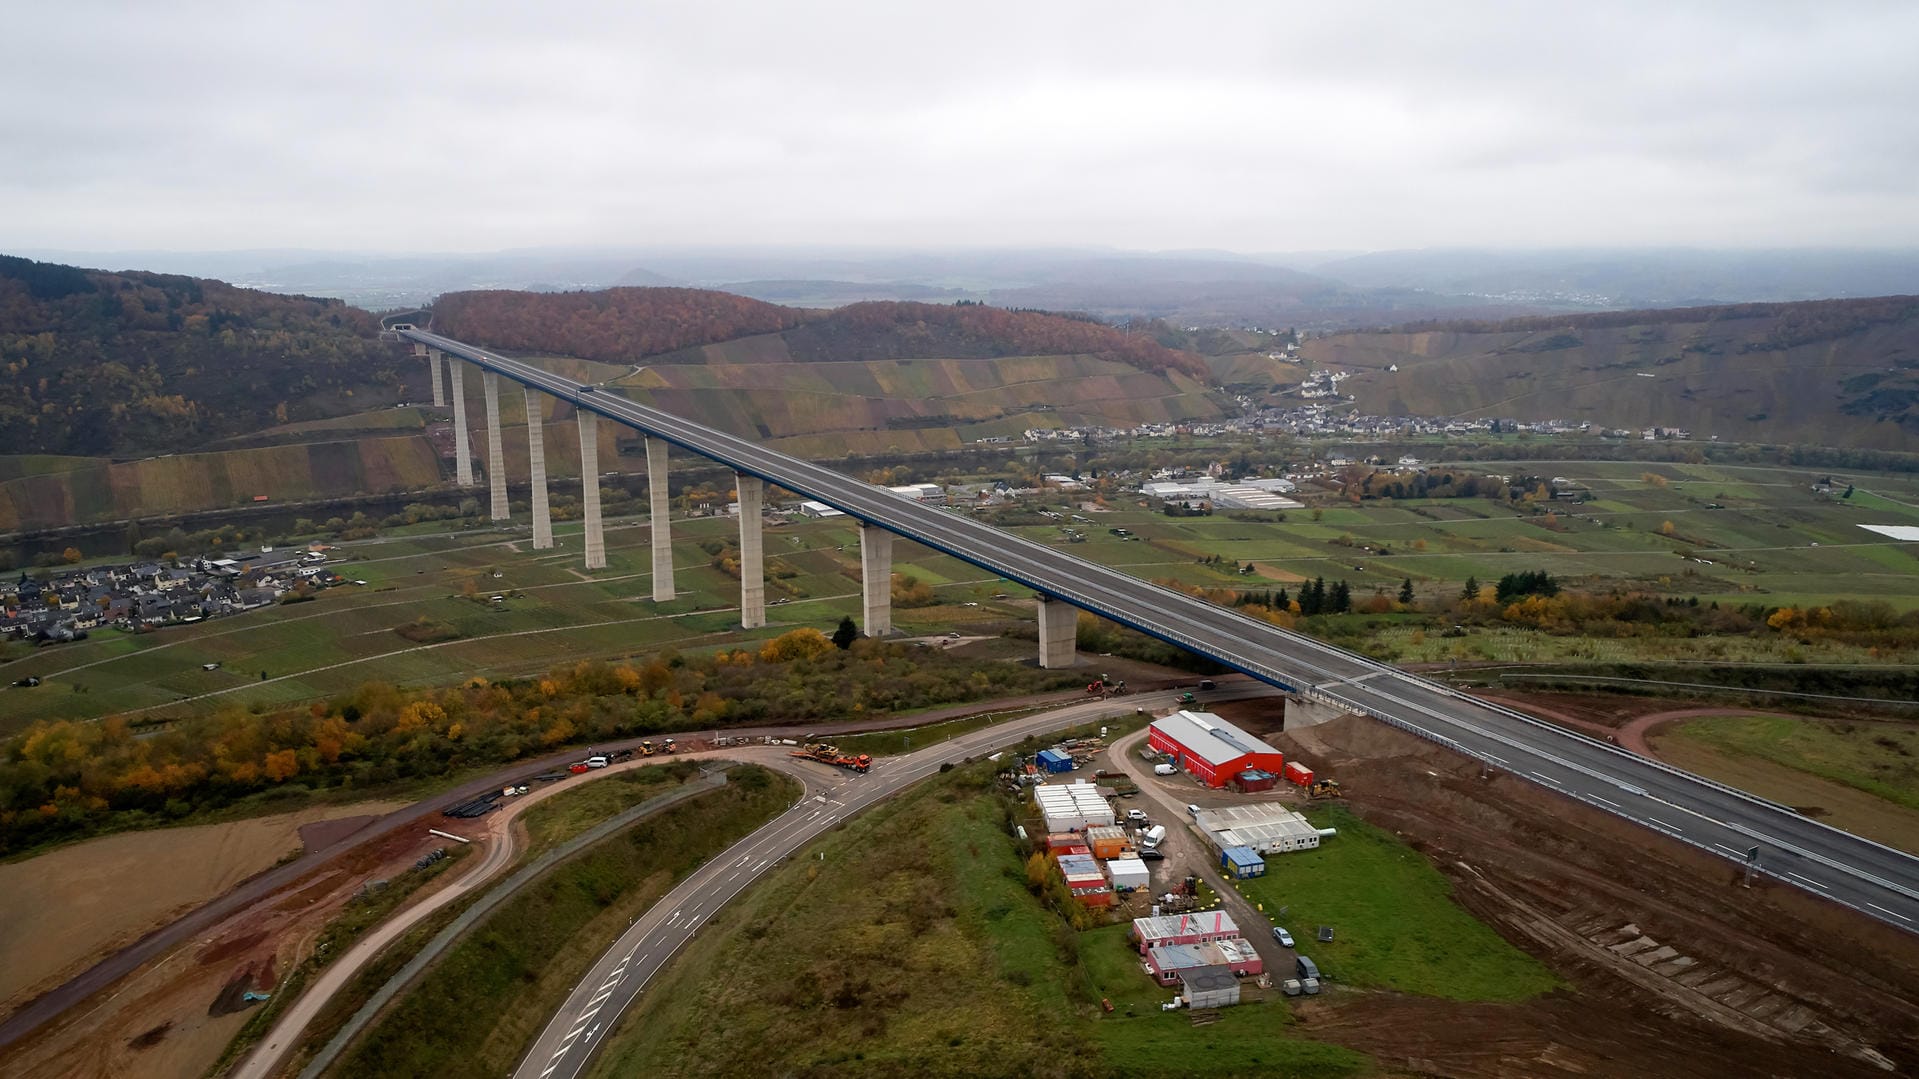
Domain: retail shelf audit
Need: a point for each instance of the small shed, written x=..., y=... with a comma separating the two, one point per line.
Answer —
x=1299, y=774
x=1128, y=873
x=1243, y=863
x=1052, y=760
x=1106, y=840
x=1208, y=987
x=1253, y=780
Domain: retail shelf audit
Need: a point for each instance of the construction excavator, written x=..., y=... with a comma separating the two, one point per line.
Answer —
x=825, y=754
x=1105, y=687
x=1325, y=788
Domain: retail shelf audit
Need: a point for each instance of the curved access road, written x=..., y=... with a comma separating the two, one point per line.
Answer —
x=501, y=849
x=1870, y=877
x=567, y=1045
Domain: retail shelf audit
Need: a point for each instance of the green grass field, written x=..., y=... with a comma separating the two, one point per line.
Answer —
x=562, y=816
x=906, y=942
x=1395, y=923
x=1880, y=759
x=517, y=965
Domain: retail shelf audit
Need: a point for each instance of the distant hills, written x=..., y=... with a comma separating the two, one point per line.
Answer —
x=1834, y=372
x=1305, y=290
x=103, y=373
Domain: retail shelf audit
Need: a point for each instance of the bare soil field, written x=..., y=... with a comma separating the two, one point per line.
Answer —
x=1674, y=967
x=160, y=1021
x=61, y=911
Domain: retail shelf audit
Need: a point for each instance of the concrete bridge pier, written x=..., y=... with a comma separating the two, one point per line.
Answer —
x=420, y=349
x=876, y=579
x=495, y=453
x=1058, y=633
x=752, y=492
x=590, y=490
x=657, y=507
x=435, y=365
x=462, y=450
x=536, y=461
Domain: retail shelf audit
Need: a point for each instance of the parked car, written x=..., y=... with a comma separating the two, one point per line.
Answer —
x=1151, y=855
x=1164, y=769
x=1192, y=809
x=1135, y=814
x=1207, y=683
x=596, y=762
x=1284, y=938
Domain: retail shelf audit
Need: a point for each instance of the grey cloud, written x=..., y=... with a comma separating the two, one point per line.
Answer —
x=1249, y=126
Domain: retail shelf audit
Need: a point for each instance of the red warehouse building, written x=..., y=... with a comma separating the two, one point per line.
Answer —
x=1210, y=748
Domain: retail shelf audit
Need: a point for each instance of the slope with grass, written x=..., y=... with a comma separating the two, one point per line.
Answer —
x=1828, y=372
x=1395, y=924
x=906, y=942
x=517, y=965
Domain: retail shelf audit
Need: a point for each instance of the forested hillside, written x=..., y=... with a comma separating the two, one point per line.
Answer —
x=671, y=325
x=1827, y=372
x=123, y=364
x=615, y=325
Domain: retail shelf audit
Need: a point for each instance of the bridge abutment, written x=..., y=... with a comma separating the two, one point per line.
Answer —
x=462, y=450
x=1058, y=633
x=752, y=491
x=495, y=453
x=1301, y=712
x=876, y=579
x=657, y=515
x=536, y=462
x=590, y=490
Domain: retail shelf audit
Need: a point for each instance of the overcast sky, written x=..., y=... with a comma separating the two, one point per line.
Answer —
x=1244, y=126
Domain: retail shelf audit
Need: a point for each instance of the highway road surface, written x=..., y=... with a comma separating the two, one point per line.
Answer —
x=621, y=974
x=1874, y=879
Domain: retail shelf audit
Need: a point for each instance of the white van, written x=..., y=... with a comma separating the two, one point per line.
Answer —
x=1163, y=769
x=1153, y=837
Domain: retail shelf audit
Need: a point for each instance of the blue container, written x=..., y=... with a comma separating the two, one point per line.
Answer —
x=1052, y=760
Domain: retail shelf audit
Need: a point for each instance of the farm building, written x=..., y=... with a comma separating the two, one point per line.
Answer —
x=1234, y=953
x=1183, y=929
x=1127, y=874
x=1208, y=987
x=1242, y=863
x=1267, y=829
x=1072, y=806
x=1210, y=748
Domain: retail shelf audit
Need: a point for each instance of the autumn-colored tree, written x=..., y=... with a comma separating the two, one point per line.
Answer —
x=803, y=643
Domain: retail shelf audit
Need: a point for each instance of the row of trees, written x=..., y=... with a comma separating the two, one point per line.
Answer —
x=65, y=779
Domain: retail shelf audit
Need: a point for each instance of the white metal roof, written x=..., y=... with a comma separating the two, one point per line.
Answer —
x=1253, y=825
x=1211, y=922
x=1210, y=737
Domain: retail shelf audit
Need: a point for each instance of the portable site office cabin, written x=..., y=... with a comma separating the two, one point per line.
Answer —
x=1208, y=987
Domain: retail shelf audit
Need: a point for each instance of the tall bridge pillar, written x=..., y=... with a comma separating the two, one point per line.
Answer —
x=752, y=554
x=536, y=461
x=420, y=349
x=435, y=366
x=657, y=507
x=495, y=453
x=1058, y=633
x=876, y=579
x=590, y=490
x=462, y=450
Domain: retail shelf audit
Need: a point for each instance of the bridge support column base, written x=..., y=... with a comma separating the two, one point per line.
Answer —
x=590, y=490
x=876, y=580
x=658, y=504
x=436, y=373
x=495, y=452
x=462, y=449
x=752, y=492
x=1301, y=712
x=1058, y=633
x=536, y=462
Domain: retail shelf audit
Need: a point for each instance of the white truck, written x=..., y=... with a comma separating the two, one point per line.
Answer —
x=1153, y=837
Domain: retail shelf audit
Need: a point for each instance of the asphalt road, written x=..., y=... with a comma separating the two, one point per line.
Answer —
x=1874, y=879
x=567, y=1045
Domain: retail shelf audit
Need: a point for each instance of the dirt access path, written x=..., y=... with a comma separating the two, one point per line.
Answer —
x=64, y=909
x=1674, y=967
